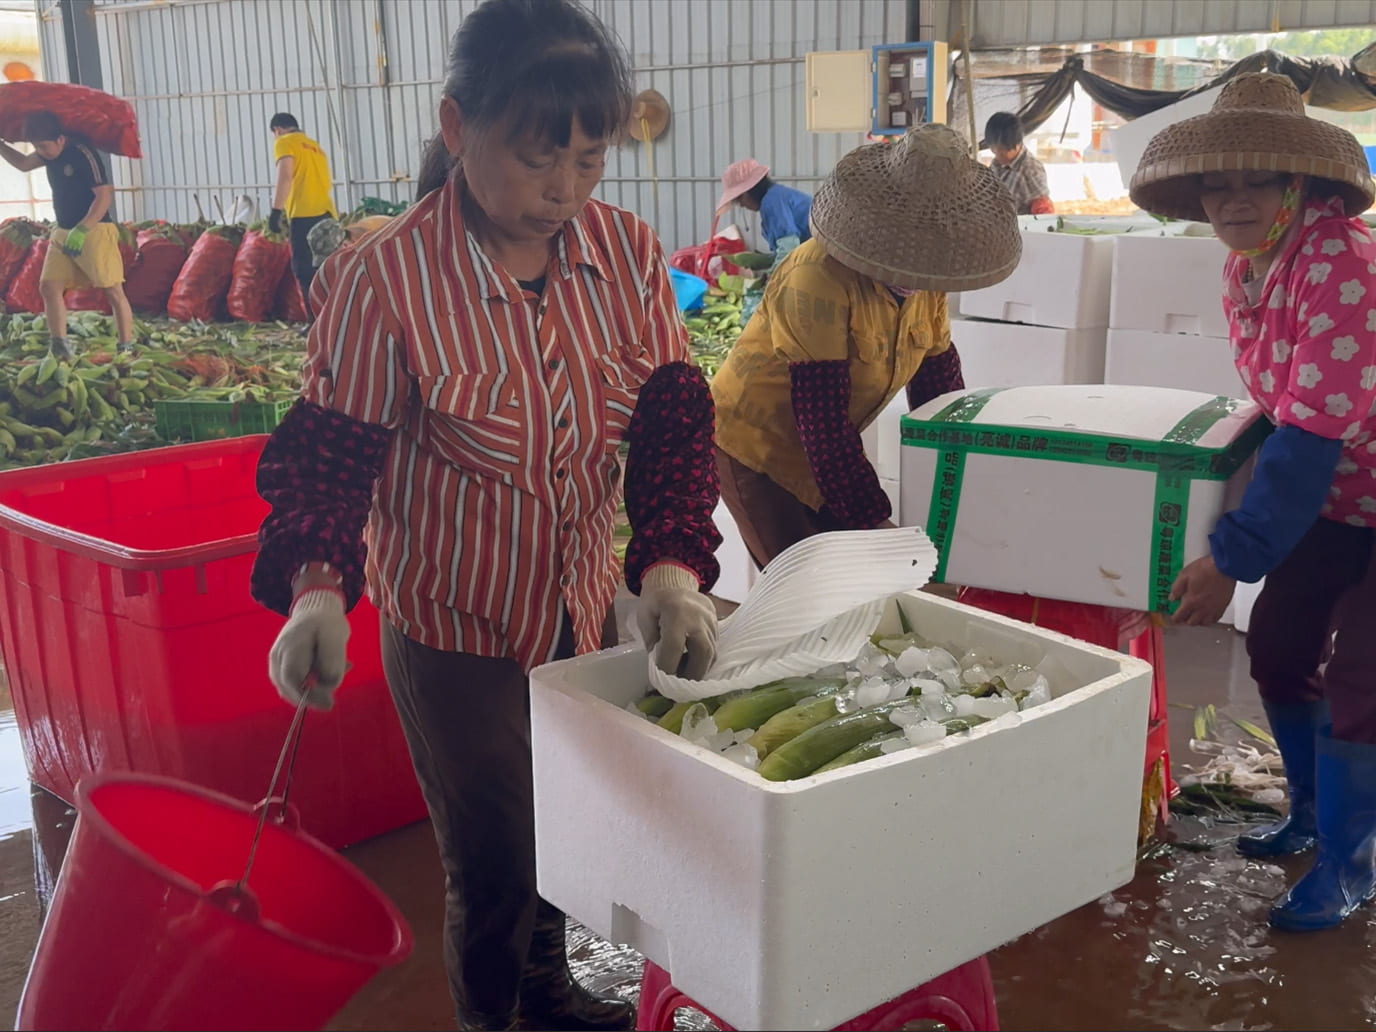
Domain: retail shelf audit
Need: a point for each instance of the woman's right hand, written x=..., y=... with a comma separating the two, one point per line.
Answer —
x=313, y=642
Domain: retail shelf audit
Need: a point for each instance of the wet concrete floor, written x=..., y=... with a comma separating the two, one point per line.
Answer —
x=1184, y=946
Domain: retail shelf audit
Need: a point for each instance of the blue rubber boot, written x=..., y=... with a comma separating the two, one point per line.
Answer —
x=1295, y=727
x=1344, y=873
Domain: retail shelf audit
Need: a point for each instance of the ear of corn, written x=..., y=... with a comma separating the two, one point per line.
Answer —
x=825, y=741
x=866, y=750
x=790, y=723
x=753, y=708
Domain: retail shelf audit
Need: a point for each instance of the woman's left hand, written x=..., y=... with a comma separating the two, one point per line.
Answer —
x=1203, y=593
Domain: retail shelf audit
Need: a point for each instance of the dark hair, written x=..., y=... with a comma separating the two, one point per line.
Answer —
x=282, y=120
x=1003, y=130
x=435, y=165
x=538, y=65
x=42, y=125
x=756, y=193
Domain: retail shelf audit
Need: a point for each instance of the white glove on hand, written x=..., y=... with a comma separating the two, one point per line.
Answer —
x=313, y=641
x=680, y=619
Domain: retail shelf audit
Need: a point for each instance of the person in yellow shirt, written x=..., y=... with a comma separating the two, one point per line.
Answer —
x=303, y=193
x=849, y=319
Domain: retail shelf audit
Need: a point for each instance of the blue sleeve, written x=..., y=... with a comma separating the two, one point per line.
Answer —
x=1294, y=471
x=777, y=216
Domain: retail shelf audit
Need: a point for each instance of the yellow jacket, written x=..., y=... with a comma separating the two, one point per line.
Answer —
x=817, y=310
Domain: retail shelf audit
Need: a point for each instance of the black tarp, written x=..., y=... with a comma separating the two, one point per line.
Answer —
x=1325, y=82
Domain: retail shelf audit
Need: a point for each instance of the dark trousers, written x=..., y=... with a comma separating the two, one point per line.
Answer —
x=769, y=517
x=302, y=262
x=1319, y=607
x=467, y=723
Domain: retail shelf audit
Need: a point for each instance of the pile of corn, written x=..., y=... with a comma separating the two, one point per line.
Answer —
x=902, y=692
x=103, y=401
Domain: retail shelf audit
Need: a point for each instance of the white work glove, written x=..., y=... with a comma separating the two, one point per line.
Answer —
x=680, y=619
x=312, y=642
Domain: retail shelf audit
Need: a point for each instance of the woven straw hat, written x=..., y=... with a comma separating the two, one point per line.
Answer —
x=919, y=214
x=1257, y=124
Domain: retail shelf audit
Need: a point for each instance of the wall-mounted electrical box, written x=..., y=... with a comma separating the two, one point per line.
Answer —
x=884, y=91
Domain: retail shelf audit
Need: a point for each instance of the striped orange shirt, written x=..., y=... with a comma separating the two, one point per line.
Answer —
x=493, y=515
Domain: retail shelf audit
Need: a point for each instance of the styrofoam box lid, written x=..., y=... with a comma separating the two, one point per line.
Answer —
x=1147, y=414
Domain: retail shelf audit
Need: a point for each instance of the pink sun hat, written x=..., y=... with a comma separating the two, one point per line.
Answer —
x=739, y=178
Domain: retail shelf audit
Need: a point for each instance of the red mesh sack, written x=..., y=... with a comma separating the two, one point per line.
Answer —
x=23, y=295
x=258, y=268
x=161, y=255
x=16, y=237
x=290, y=306
x=106, y=121
x=203, y=283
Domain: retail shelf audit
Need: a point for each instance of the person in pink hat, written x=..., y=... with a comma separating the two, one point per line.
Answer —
x=784, y=211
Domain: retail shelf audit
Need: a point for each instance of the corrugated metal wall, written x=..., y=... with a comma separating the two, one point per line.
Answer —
x=363, y=77
x=1000, y=23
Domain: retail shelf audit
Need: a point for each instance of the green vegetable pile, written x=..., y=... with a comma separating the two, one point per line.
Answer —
x=713, y=330
x=103, y=401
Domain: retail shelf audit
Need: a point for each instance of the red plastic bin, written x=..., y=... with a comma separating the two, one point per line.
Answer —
x=132, y=644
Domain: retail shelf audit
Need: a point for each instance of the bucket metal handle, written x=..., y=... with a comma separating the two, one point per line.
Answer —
x=236, y=897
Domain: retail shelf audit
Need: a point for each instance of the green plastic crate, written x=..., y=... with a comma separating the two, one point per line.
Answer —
x=191, y=421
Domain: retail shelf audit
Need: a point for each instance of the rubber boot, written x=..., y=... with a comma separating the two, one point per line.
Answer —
x=1295, y=727
x=1344, y=873
x=551, y=1000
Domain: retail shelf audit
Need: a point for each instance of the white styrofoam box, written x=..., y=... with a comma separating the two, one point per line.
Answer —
x=881, y=438
x=1000, y=354
x=738, y=570
x=1130, y=139
x=799, y=905
x=1063, y=492
x=1168, y=285
x=1244, y=598
x=890, y=488
x=1140, y=359
x=1062, y=280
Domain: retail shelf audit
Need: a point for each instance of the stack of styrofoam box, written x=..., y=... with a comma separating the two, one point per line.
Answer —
x=800, y=904
x=1166, y=323
x=1047, y=322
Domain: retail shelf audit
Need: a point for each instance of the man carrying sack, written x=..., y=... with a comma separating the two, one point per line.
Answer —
x=84, y=248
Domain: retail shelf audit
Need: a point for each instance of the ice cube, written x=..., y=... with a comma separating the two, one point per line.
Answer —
x=1039, y=695
x=951, y=679
x=905, y=715
x=964, y=704
x=743, y=754
x=992, y=708
x=976, y=675
x=897, y=690
x=937, y=707
x=911, y=661
x=698, y=724
x=872, y=661
x=925, y=732
x=941, y=661
x=872, y=692
x=971, y=659
x=846, y=700
x=744, y=735
x=894, y=745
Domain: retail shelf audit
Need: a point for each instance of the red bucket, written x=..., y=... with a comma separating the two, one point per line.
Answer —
x=135, y=939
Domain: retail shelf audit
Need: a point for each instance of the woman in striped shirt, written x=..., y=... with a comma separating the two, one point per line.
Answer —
x=474, y=368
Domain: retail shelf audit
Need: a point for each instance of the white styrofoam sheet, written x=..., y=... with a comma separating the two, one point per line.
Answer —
x=1130, y=140
x=1189, y=363
x=1061, y=280
x=1168, y=285
x=1000, y=354
x=799, y=905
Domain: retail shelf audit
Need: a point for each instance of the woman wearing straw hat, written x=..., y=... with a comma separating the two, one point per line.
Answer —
x=783, y=210
x=849, y=319
x=1299, y=290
